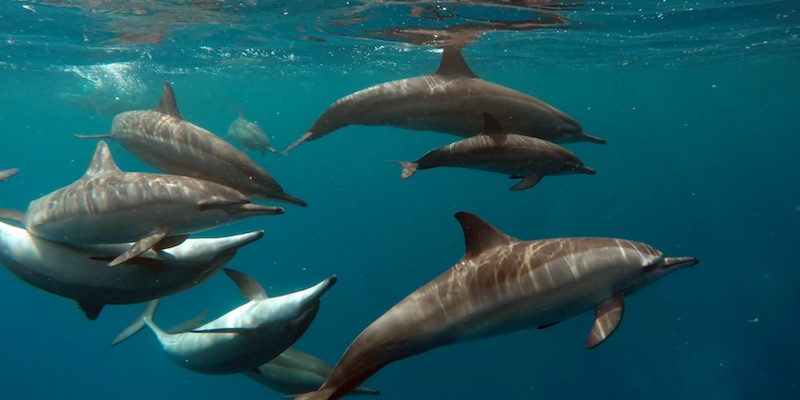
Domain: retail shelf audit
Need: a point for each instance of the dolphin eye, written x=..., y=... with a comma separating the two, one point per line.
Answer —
x=565, y=167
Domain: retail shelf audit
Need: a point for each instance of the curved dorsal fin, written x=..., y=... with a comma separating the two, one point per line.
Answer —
x=479, y=235
x=491, y=126
x=453, y=64
x=102, y=161
x=251, y=290
x=167, y=104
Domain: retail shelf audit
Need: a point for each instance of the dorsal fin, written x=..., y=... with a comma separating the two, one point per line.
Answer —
x=491, y=126
x=479, y=235
x=101, y=161
x=453, y=64
x=167, y=105
x=251, y=290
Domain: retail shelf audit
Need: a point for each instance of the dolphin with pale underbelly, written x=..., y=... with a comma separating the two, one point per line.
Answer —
x=496, y=150
x=163, y=139
x=244, y=338
x=503, y=285
x=8, y=173
x=294, y=371
x=81, y=273
x=248, y=134
x=155, y=211
x=451, y=100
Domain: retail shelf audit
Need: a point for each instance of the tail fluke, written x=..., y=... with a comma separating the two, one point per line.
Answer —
x=138, y=324
x=409, y=168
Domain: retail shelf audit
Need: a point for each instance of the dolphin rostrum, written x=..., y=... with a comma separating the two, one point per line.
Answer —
x=451, y=100
x=156, y=211
x=249, y=134
x=502, y=285
x=8, y=173
x=80, y=272
x=244, y=338
x=164, y=140
x=496, y=150
x=294, y=371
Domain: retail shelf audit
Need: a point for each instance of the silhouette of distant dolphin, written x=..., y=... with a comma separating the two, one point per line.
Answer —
x=164, y=140
x=249, y=134
x=451, y=100
x=8, y=173
x=502, y=285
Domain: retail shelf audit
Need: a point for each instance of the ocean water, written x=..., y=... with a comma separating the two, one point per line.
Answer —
x=698, y=100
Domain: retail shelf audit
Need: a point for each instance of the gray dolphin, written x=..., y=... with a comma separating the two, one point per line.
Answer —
x=496, y=150
x=294, y=371
x=451, y=100
x=156, y=211
x=503, y=285
x=80, y=272
x=248, y=134
x=244, y=338
x=8, y=173
x=164, y=140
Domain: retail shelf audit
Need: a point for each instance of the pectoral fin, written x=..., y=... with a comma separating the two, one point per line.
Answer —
x=227, y=330
x=607, y=316
x=528, y=182
x=141, y=245
x=189, y=325
x=11, y=215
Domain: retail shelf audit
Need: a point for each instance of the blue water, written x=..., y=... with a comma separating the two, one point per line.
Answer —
x=699, y=102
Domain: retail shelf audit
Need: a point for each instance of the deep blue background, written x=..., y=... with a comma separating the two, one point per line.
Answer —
x=701, y=161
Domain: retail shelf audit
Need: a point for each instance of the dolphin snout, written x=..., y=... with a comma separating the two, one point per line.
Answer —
x=586, y=170
x=679, y=262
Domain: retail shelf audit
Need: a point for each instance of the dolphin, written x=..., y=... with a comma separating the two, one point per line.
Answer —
x=156, y=211
x=451, y=100
x=503, y=285
x=163, y=139
x=8, y=173
x=294, y=372
x=496, y=150
x=80, y=272
x=244, y=338
x=249, y=134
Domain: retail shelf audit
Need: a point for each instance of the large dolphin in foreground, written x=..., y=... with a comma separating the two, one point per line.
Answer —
x=164, y=140
x=8, y=173
x=155, y=211
x=80, y=272
x=248, y=134
x=451, y=100
x=496, y=150
x=244, y=338
x=503, y=285
x=294, y=371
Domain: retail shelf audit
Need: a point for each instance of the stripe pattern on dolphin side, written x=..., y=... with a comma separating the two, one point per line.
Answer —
x=502, y=285
x=451, y=100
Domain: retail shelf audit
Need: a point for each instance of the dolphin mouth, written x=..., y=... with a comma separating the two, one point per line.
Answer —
x=679, y=262
x=592, y=139
x=587, y=170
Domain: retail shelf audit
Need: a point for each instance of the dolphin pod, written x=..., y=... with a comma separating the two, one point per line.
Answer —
x=502, y=285
x=496, y=150
x=80, y=272
x=451, y=100
x=244, y=338
x=163, y=139
x=155, y=211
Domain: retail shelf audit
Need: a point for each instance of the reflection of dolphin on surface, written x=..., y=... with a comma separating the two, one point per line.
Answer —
x=156, y=211
x=248, y=134
x=503, y=285
x=8, y=173
x=244, y=338
x=295, y=372
x=496, y=150
x=80, y=272
x=164, y=140
x=451, y=100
